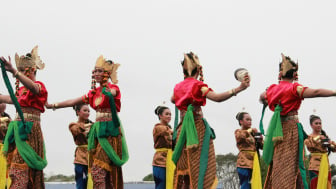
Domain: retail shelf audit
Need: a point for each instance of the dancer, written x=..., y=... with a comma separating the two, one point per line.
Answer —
x=4, y=121
x=79, y=131
x=249, y=141
x=24, y=134
x=283, y=146
x=162, y=135
x=319, y=145
x=106, y=139
x=194, y=153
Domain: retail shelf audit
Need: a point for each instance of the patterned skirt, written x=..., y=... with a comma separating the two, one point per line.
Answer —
x=21, y=175
x=187, y=168
x=284, y=171
x=105, y=174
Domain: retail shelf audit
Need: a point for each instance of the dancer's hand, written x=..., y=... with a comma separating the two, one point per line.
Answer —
x=8, y=64
x=48, y=106
x=246, y=82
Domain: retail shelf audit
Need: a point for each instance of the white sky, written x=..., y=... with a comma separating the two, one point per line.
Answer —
x=148, y=38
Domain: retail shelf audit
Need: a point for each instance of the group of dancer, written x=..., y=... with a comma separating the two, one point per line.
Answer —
x=185, y=154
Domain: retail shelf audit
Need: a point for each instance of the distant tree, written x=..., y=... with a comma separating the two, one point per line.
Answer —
x=227, y=171
x=149, y=177
x=333, y=169
x=60, y=178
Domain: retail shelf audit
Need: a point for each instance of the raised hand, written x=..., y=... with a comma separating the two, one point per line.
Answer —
x=8, y=64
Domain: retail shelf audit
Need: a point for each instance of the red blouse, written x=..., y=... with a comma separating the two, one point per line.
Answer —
x=29, y=99
x=284, y=93
x=189, y=92
x=95, y=102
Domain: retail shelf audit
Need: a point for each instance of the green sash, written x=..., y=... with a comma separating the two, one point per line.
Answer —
x=101, y=130
x=27, y=153
x=188, y=136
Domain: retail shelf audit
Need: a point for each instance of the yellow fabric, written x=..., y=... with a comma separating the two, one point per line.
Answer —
x=170, y=167
x=3, y=170
x=89, y=182
x=256, y=175
x=322, y=181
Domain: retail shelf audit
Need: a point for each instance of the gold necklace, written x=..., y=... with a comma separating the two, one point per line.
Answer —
x=99, y=99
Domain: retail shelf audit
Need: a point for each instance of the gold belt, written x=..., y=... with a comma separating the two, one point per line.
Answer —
x=29, y=116
x=100, y=115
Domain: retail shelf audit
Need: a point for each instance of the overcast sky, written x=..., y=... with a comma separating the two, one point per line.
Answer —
x=148, y=38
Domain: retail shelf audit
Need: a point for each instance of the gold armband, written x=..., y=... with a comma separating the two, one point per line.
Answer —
x=16, y=74
x=233, y=92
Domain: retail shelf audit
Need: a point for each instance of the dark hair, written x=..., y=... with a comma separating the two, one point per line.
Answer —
x=78, y=107
x=193, y=72
x=240, y=116
x=290, y=73
x=159, y=110
x=312, y=118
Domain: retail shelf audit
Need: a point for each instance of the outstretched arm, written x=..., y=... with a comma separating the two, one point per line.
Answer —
x=66, y=103
x=220, y=97
x=312, y=93
x=5, y=99
x=33, y=87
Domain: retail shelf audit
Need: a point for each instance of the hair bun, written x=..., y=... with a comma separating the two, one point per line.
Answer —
x=156, y=111
x=237, y=116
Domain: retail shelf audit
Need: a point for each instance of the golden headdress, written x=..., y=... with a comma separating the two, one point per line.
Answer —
x=31, y=60
x=286, y=64
x=108, y=66
x=190, y=62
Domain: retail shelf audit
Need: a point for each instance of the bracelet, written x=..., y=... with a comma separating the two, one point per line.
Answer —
x=233, y=92
x=334, y=92
x=54, y=106
x=17, y=74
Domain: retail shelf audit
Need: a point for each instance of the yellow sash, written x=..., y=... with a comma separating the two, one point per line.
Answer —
x=170, y=167
x=256, y=175
x=3, y=170
x=322, y=181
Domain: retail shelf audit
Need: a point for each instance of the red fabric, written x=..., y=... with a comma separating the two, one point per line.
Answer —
x=313, y=181
x=284, y=93
x=29, y=99
x=189, y=92
x=90, y=98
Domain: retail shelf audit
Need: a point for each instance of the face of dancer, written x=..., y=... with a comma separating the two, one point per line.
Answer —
x=98, y=74
x=246, y=122
x=2, y=108
x=165, y=117
x=84, y=113
x=317, y=125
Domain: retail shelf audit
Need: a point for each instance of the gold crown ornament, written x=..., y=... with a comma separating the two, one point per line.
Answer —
x=31, y=60
x=286, y=65
x=108, y=66
x=190, y=62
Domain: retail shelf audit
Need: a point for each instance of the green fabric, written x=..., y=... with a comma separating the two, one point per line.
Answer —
x=14, y=100
x=101, y=130
x=261, y=125
x=188, y=135
x=208, y=134
x=27, y=153
x=302, y=137
x=175, y=124
x=274, y=131
x=113, y=107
